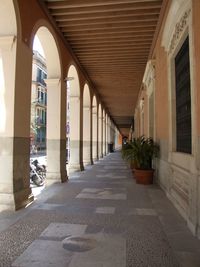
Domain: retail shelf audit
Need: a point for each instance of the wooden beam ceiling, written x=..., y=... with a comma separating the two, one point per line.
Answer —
x=111, y=39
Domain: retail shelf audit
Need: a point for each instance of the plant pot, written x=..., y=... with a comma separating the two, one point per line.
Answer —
x=144, y=176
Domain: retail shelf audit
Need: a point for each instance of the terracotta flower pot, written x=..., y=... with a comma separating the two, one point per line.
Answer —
x=144, y=176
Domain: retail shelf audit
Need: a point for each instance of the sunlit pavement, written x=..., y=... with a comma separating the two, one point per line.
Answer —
x=36, y=190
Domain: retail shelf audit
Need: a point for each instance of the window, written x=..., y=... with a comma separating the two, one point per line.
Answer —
x=45, y=98
x=42, y=97
x=39, y=75
x=183, y=100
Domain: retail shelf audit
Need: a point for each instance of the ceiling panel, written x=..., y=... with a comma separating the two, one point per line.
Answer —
x=111, y=39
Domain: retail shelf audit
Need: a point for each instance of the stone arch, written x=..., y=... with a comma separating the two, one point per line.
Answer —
x=50, y=47
x=55, y=170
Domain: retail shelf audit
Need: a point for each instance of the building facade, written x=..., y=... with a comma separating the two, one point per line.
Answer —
x=168, y=107
x=38, y=103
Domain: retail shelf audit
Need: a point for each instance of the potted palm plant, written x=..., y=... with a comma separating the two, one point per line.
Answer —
x=128, y=154
x=141, y=151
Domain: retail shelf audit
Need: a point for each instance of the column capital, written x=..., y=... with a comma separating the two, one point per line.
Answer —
x=74, y=97
x=6, y=42
x=86, y=108
x=52, y=82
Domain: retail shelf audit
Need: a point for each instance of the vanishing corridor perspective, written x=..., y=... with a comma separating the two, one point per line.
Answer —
x=81, y=80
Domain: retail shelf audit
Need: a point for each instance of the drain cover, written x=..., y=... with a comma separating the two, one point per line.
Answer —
x=79, y=244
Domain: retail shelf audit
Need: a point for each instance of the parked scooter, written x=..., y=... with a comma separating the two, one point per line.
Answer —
x=37, y=173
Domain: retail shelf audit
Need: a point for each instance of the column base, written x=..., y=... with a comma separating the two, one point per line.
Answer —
x=15, y=201
x=23, y=198
x=56, y=177
x=87, y=162
x=198, y=232
x=193, y=228
x=75, y=168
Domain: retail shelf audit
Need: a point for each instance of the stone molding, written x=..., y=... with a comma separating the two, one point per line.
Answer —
x=176, y=23
x=149, y=76
x=179, y=29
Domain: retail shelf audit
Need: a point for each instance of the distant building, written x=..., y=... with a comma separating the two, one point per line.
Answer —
x=38, y=103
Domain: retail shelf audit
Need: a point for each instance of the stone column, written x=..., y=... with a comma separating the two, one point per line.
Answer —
x=86, y=136
x=75, y=162
x=104, y=135
x=112, y=135
x=15, y=99
x=94, y=136
x=100, y=152
x=107, y=135
x=108, y=132
x=56, y=167
x=106, y=142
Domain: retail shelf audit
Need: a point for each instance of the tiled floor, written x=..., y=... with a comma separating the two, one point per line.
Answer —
x=100, y=218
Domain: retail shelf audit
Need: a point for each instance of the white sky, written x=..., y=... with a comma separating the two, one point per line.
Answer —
x=37, y=46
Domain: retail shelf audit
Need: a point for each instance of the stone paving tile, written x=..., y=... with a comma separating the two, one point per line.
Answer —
x=144, y=226
x=112, y=194
x=184, y=241
x=105, y=210
x=63, y=230
x=146, y=212
x=44, y=253
x=188, y=259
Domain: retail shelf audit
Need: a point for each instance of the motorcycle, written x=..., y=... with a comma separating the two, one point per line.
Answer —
x=37, y=173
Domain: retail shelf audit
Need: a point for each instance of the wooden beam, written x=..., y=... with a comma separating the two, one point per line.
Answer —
x=92, y=3
x=110, y=48
x=121, y=41
x=113, y=55
x=105, y=9
x=114, y=61
x=112, y=33
x=93, y=16
x=107, y=37
x=108, y=28
x=132, y=17
x=110, y=15
x=131, y=60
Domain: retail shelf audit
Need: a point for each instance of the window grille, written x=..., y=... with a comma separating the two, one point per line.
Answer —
x=183, y=100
